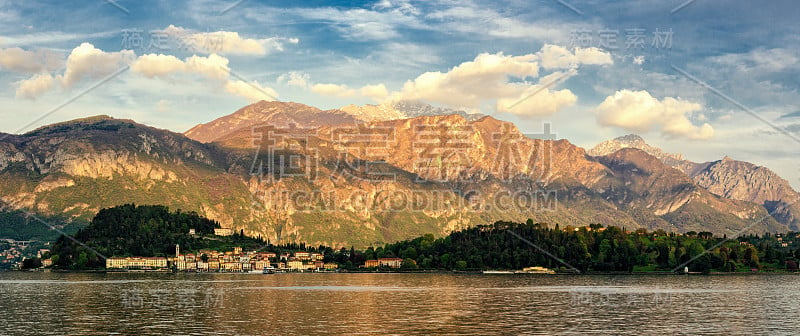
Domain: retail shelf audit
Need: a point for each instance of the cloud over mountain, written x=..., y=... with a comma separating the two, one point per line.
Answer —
x=27, y=61
x=86, y=61
x=505, y=81
x=638, y=111
x=35, y=86
x=151, y=65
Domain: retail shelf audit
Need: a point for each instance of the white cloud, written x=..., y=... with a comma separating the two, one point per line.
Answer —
x=379, y=23
x=86, y=61
x=252, y=90
x=152, y=65
x=470, y=18
x=333, y=90
x=558, y=57
x=504, y=81
x=470, y=83
x=377, y=92
x=638, y=111
x=213, y=67
x=53, y=37
x=592, y=56
x=295, y=78
x=537, y=101
x=402, y=6
x=759, y=60
x=35, y=86
x=26, y=61
x=225, y=42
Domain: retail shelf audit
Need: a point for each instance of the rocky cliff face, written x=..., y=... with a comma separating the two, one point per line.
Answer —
x=403, y=109
x=634, y=141
x=645, y=184
x=264, y=112
x=727, y=178
x=304, y=116
x=358, y=183
x=489, y=161
x=374, y=112
x=745, y=181
x=73, y=169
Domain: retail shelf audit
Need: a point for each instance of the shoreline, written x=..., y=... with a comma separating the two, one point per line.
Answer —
x=503, y=273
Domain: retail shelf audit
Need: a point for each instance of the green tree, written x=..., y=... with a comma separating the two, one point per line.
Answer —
x=408, y=263
x=31, y=263
x=751, y=257
x=409, y=253
x=701, y=264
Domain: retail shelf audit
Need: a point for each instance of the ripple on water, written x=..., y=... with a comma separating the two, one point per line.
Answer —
x=366, y=304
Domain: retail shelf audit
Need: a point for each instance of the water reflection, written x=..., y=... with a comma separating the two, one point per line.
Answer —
x=360, y=304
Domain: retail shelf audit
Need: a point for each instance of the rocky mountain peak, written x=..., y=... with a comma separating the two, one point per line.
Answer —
x=268, y=112
x=452, y=158
x=402, y=109
x=630, y=139
x=636, y=141
x=371, y=112
x=745, y=181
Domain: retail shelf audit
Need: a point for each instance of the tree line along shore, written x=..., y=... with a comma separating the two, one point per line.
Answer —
x=154, y=231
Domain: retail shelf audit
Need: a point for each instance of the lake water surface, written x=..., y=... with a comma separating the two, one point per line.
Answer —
x=380, y=304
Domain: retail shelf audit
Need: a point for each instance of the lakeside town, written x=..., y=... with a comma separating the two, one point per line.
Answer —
x=239, y=261
x=753, y=253
x=13, y=253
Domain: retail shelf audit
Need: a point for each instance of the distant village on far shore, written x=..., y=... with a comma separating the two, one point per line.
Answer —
x=238, y=261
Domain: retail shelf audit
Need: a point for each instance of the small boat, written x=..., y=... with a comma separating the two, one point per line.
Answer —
x=268, y=270
x=535, y=270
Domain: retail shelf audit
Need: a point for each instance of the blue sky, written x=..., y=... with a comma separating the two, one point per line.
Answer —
x=608, y=68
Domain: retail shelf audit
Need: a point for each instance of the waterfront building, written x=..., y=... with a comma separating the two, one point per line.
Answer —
x=295, y=265
x=303, y=255
x=391, y=262
x=223, y=232
x=136, y=263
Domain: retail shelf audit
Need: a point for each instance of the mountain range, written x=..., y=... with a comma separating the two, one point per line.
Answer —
x=726, y=177
x=362, y=175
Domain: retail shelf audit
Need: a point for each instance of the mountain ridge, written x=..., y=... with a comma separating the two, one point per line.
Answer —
x=348, y=181
x=727, y=177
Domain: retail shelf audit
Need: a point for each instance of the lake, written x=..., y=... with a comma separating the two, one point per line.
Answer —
x=381, y=304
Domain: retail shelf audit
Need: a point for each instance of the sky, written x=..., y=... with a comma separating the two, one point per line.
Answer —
x=702, y=78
